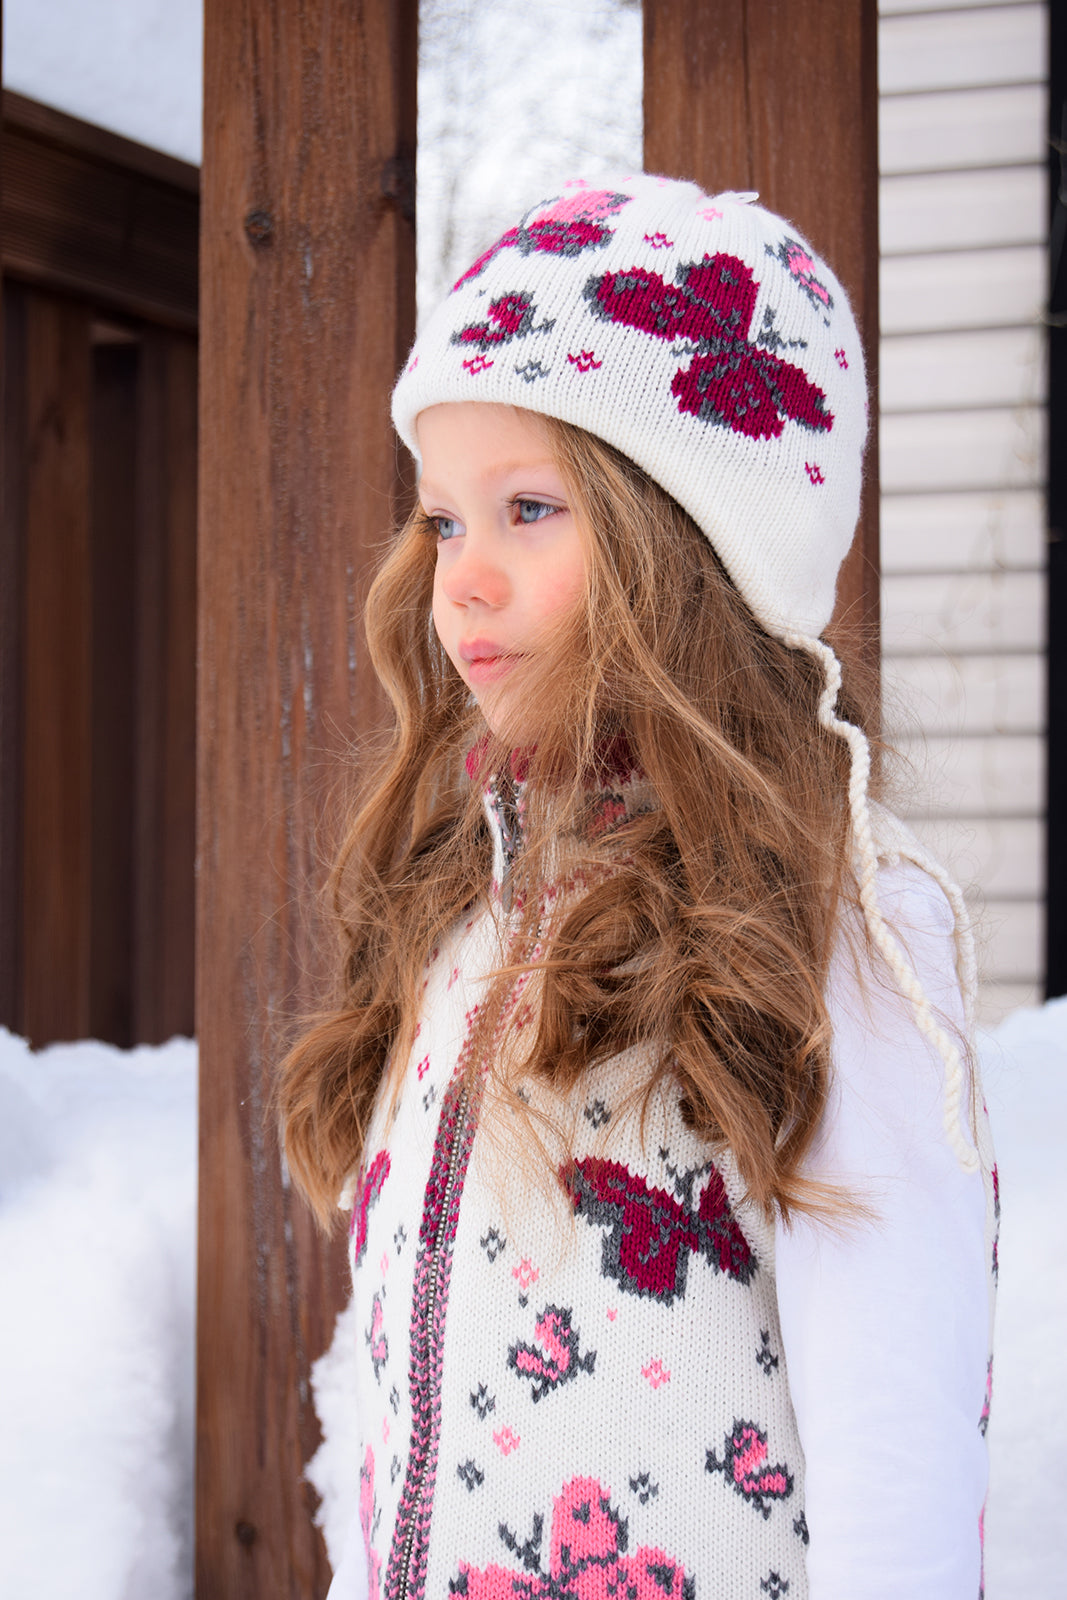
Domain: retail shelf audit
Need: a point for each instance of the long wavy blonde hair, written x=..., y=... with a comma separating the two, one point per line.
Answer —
x=708, y=921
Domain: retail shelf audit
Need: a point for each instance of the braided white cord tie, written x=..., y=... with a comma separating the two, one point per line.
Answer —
x=966, y=958
x=865, y=866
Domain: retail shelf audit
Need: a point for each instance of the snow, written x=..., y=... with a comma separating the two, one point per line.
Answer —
x=515, y=98
x=97, y=1261
x=1025, y=1070
x=333, y=1470
x=97, y=1258
x=133, y=66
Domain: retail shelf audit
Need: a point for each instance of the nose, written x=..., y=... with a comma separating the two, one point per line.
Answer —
x=474, y=573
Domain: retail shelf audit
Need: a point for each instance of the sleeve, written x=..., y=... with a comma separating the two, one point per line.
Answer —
x=885, y=1321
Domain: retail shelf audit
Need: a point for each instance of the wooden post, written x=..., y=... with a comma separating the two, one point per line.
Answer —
x=307, y=309
x=782, y=97
x=164, y=800
x=57, y=726
x=97, y=582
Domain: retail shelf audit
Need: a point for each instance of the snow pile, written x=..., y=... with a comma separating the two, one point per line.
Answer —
x=333, y=1470
x=97, y=1261
x=1025, y=1068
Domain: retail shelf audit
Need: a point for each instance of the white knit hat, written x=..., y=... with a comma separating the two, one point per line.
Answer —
x=702, y=337
x=699, y=335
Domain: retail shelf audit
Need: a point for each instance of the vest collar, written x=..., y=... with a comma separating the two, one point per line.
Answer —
x=617, y=789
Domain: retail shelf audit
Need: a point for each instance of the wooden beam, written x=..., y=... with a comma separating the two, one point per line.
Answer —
x=10, y=667
x=12, y=650
x=164, y=712
x=781, y=96
x=57, y=727
x=90, y=213
x=114, y=684
x=307, y=309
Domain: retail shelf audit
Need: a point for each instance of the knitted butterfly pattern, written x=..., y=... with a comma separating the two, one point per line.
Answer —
x=563, y=227
x=370, y=1187
x=733, y=380
x=650, y=1236
x=587, y=1558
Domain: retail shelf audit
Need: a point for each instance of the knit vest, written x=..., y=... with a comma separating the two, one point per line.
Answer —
x=570, y=1387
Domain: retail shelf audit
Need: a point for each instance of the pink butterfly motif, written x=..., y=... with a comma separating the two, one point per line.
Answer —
x=554, y=1358
x=376, y=1340
x=744, y=1464
x=586, y=1558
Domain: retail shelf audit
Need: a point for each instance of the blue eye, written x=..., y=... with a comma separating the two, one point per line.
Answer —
x=533, y=510
x=446, y=527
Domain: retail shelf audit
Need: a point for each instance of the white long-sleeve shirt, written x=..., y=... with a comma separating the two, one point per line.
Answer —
x=885, y=1324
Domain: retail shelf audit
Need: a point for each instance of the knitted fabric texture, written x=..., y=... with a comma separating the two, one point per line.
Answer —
x=566, y=1388
x=699, y=335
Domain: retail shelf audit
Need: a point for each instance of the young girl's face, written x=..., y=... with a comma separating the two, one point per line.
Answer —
x=510, y=556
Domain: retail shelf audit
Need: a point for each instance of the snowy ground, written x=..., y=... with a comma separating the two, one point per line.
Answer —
x=97, y=1230
x=97, y=1263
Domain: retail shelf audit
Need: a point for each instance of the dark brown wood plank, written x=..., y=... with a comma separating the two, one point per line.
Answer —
x=12, y=419
x=12, y=623
x=58, y=128
x=781, y=96
x=308, y=290
x=114, y=565
x=87, y=212
x=58, y=711
x=164, y=715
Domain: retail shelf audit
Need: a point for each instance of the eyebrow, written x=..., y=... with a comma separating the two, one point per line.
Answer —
x=502, y=469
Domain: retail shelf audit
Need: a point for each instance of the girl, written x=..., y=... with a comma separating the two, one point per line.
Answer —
x=672, y=1229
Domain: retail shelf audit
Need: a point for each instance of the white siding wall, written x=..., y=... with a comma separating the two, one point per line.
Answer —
x=962, y=126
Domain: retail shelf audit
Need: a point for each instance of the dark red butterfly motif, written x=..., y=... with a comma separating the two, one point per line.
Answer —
x=732, y=380
x=650, y=1235
x=511, y=316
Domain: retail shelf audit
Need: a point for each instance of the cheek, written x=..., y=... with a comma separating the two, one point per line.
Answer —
x=561, y=589
x=439, y=611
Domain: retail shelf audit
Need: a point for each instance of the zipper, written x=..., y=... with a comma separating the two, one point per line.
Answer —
x=451, y=1181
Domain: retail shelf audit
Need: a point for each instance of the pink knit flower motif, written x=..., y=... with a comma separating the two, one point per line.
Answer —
x=526, y=1273
x=587, y=1557
x=563, y=226
x=983, y=1421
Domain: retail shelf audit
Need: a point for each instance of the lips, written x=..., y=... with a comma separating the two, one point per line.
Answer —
x=486, y=660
